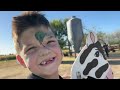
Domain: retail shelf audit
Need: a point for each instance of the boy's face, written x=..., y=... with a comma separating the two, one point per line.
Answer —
x=40, y=51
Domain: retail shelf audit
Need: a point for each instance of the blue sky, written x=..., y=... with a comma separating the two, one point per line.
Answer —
x=105, y=21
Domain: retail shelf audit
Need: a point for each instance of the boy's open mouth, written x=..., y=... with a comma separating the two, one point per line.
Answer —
x=46, y=62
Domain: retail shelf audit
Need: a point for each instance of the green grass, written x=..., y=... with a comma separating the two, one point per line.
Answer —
x=7, y=57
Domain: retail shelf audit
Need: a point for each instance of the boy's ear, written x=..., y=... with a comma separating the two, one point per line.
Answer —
x=20, y=60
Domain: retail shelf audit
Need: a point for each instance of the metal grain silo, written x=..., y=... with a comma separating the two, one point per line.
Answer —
x=75, y=32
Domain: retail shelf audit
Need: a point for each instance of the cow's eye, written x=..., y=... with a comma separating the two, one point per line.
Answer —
x=97, y=54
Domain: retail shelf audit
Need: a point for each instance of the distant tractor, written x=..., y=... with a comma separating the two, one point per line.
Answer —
x=111, y=48
x=114, y=47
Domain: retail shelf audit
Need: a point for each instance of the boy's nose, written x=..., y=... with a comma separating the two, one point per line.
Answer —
x=44, y=51
x=44, y=54
x=43, y=46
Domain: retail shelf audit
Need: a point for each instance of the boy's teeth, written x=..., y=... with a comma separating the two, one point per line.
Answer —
x=44, y=62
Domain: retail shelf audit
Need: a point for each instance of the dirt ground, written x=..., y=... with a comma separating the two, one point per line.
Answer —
x=12, y=70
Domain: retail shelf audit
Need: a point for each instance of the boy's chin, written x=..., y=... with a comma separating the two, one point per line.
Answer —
x=48, y=74
x=51, y=71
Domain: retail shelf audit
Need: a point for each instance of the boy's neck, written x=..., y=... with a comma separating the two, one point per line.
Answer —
x=54, y=76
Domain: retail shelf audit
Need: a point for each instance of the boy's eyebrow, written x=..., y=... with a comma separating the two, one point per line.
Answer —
x=28, y=45
x=50, y=35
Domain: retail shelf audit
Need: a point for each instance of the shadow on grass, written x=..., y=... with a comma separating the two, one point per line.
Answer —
x=114, y=62
x=67, y=62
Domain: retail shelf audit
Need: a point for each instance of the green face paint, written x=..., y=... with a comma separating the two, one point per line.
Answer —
x=40, y=36
x=27, y=59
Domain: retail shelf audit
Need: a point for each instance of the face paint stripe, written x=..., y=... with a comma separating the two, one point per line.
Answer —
x=101, y=70
x=27, y=59
x=40, y=36
x=90, y=66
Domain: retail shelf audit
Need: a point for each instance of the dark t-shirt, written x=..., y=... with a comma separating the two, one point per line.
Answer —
x=33, y=76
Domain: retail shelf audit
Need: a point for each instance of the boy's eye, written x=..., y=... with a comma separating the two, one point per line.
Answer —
x=97, y=54
x=49, y=42
x=30, y=48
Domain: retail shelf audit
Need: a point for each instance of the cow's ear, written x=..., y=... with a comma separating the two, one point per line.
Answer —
x=91, y=38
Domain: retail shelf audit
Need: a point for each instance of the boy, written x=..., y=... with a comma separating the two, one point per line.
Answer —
x=36, y=46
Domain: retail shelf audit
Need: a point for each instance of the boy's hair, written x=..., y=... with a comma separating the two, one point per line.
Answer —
x=26, y=20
